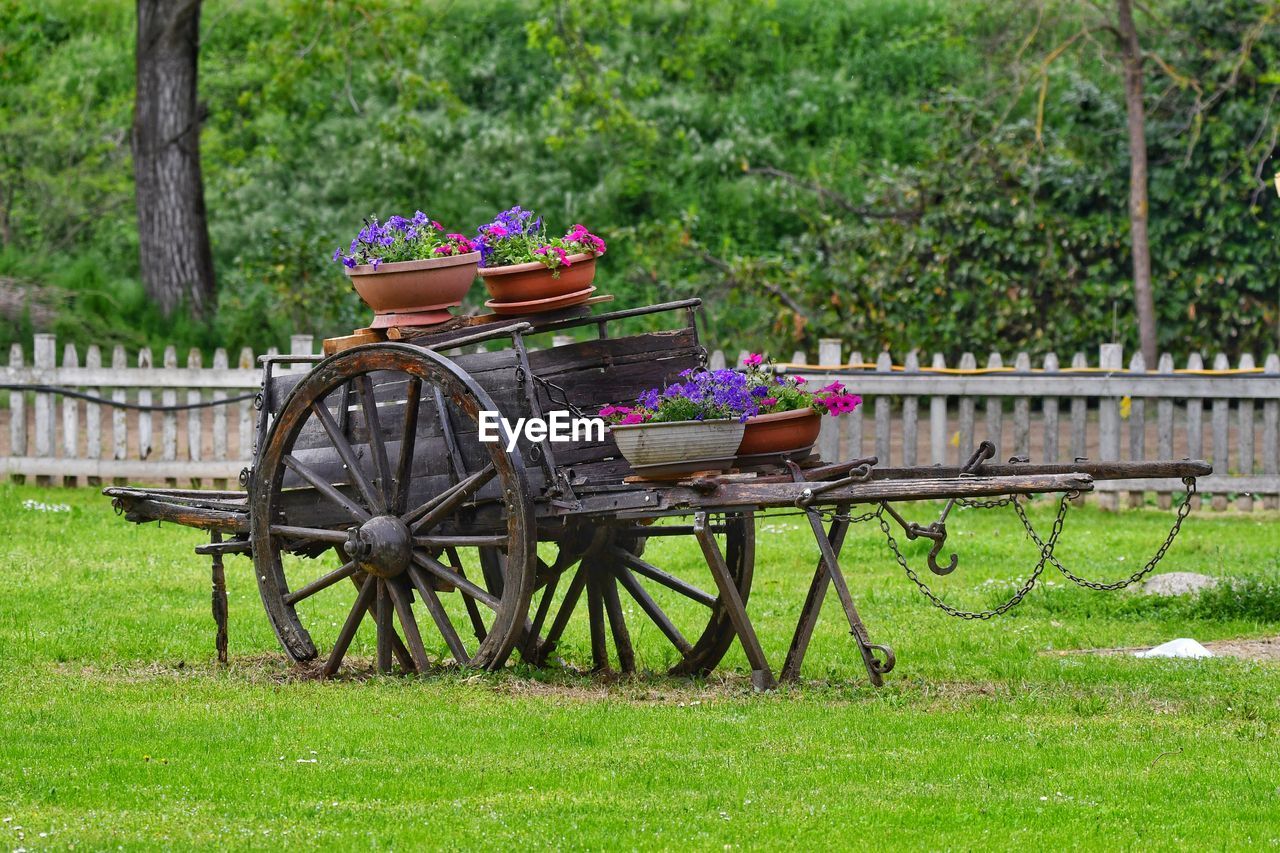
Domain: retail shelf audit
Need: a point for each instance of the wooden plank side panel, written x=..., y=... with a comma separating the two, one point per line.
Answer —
x=851, y=430
x=1220, y=426
x=1164, y=428
x=119, y=416
x=995, y=411
x=1271, y=434
x=937, y=420
x=1137, y=425
x=45, y=357
x=910, y=414
x=884, y=414
x=169, y=420
x=1022, y=412
x=93, y=412
x=1050, y=407
x=1079, y=416
x=17, y=408
x=828, y=445
x=1244, y=432
x=966, y=413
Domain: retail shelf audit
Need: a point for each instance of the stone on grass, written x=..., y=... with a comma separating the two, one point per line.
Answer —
x=1183, y=647
x=1177, y=583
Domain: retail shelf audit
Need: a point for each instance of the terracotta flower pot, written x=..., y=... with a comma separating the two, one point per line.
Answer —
x=780, y=431
x=414, y=293
x=667, y=448
x=527, y=282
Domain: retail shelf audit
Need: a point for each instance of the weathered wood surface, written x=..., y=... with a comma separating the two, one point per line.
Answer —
x=743, y=494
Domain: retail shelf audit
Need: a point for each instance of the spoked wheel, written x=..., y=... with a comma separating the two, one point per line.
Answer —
x=677, y=607
x=375, y=454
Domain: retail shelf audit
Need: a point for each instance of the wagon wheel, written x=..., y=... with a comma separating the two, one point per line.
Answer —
x=692, y=622
x=375, y=454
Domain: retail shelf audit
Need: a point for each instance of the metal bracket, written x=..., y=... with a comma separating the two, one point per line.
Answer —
x=858, y=474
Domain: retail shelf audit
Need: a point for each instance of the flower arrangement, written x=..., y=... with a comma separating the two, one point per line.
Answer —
x=519, y=236
x=704, y=395
x=713, y=394
x=401, y=239
x=775, y=393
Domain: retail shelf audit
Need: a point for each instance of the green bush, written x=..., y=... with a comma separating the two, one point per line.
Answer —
x=651, y=123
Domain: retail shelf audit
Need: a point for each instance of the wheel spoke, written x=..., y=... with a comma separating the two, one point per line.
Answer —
x=531, y=641
x=345, y=452
x=571, y=596
x=473, y=612
x=413, y=637
x=317, y=534
x=323, y=486
x=382, y=618
x=377, y=446
x=347, y=570
x=408, y=439
x=340, y=645
x=464, y=586
x=438, y=542
x=430, y=513
x=652, y=610
x=671, y=582
x=617, y=624
x=397, y=646
x=438, y=615
x=494, y=567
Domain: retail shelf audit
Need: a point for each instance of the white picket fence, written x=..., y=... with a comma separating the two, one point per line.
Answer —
x=1047, y=412
x=1108, y=411
x=59, y=439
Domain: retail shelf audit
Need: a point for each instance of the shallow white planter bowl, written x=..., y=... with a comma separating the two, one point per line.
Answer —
x=679, y=441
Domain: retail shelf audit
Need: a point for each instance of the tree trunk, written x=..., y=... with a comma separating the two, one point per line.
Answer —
x=173, y=231
x=1143, y=298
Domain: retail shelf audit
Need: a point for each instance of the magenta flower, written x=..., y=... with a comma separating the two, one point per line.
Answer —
x=753, y=360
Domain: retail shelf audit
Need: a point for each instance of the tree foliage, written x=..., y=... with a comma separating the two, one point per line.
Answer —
x=870, y=170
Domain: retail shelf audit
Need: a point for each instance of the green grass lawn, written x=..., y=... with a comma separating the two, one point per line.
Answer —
x=119, y=730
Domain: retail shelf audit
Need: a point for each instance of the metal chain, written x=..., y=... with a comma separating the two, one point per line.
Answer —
x=1046, y=553
x=972, y=503
x=829, y=515
x=1183, y=510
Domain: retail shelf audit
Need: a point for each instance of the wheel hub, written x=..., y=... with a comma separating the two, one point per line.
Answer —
x=382, y=546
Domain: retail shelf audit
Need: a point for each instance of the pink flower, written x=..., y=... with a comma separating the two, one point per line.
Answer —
x=753, y=360
x=800, y=380
x=834, y=387
x=769, y=401
x=437, y=225
x=496, y=231
x=637, y=416
x=443, y=250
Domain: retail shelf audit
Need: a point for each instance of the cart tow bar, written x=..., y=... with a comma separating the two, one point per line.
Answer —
x=829, y=544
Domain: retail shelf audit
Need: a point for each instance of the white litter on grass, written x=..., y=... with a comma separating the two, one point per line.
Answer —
x=41, y=506
x=1183, y=647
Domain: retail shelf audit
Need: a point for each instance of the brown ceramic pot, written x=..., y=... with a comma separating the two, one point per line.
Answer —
x=780, y=431
x=527, y=282
x=408, y=293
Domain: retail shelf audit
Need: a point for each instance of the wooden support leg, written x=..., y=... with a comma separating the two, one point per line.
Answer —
x=875, y=668
x=219, y=600
x=761, y=675
x=813, y=601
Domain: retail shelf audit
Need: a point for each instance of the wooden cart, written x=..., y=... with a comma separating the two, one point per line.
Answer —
x=369, y=463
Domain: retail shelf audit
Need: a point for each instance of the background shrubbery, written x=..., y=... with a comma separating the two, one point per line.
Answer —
x=944, y=223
